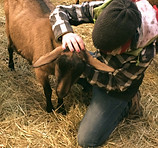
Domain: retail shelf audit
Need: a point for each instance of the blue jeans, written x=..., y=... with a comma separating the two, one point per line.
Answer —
x=103, y=115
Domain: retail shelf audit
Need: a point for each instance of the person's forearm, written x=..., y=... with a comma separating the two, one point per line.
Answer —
x=64, y=16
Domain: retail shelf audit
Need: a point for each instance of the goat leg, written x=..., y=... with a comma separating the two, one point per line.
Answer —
x=10, y=43
x=42, y=77
x=11, y=48
x=48, y=95
x=11, y=62
x=61, y=107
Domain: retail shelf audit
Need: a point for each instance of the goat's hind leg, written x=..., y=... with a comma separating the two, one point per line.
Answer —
x=10, y=47
x=11, y=62
x=10, y=43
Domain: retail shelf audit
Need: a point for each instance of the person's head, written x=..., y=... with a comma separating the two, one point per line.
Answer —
x=116, y=25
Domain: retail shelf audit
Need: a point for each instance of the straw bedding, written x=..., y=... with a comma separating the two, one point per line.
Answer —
x=25, y=123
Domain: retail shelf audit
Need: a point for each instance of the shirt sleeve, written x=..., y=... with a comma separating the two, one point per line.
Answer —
x=128, y=70
x=64, y=16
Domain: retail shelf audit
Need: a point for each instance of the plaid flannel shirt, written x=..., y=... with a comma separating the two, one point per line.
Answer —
x=129, y=69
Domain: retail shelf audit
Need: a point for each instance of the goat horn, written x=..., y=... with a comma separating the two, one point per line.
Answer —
x=48, y=58
x=97, y=64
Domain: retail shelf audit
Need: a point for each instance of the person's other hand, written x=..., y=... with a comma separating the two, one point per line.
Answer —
x=73, y=41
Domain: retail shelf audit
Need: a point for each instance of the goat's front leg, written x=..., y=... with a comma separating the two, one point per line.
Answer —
x=61, y=107
x=48, y=95
x=44, y=80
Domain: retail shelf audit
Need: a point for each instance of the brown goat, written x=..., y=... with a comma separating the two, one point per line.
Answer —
x=29, y=34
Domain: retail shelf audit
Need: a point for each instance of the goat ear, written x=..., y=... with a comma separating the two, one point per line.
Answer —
x=48, y=58
x=97, y=64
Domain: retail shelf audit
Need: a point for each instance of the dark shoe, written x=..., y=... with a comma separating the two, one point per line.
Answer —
x=136, y=108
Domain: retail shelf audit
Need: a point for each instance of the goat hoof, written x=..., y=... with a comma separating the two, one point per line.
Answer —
x=11, y=66
x=61, y=109
x=49, y=109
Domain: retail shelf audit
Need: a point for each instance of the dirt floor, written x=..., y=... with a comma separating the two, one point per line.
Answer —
x=25, y=123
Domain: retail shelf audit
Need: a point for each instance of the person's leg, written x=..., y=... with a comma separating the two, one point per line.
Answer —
x=103, y=115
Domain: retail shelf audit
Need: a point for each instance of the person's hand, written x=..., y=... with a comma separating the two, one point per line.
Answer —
x=73, y=41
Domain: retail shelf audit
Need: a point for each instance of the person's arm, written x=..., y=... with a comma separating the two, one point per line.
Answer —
x=128, y=70
x=64, y=16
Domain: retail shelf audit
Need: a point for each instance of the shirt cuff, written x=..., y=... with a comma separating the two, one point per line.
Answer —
x=61, y=29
